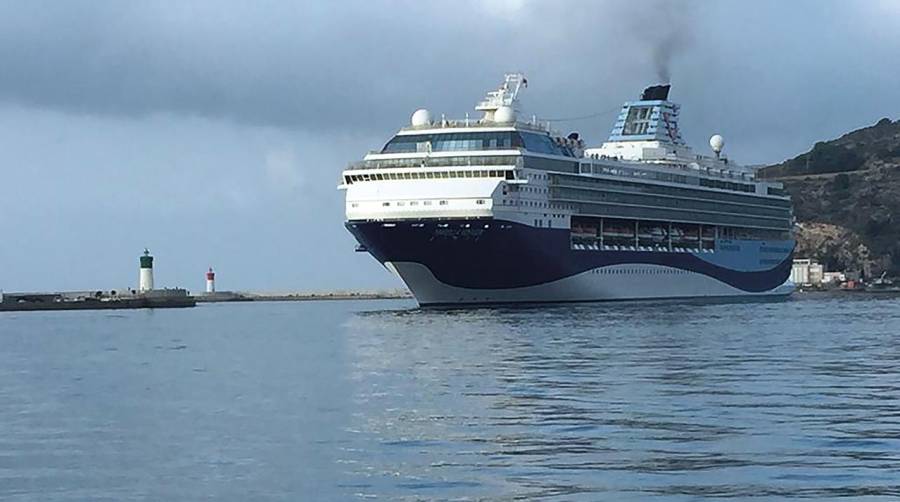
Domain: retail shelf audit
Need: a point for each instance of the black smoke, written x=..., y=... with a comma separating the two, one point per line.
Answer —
x=664, y=28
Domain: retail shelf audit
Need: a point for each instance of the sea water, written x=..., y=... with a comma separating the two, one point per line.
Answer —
x=357, y=400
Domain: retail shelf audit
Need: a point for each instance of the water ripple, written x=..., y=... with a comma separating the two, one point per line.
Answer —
x=356, y=400
x=640, y=400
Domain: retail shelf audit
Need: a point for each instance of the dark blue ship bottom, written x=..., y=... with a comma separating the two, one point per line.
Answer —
x=492, y=254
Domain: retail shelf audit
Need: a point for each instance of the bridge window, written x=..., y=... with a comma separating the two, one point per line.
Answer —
x=541, y=143
x=448, y=142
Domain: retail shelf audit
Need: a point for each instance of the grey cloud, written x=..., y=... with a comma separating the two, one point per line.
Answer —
x=214, y=132
x=279, y=64
x=346, y=65
x=364, y=66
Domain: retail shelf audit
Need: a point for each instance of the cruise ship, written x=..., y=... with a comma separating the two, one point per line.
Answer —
x=502, y=209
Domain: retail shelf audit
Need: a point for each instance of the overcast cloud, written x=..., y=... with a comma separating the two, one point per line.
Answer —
x=214, y=132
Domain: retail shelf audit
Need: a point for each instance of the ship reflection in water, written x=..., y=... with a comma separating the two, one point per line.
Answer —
x=354, y=400
x=619, y=402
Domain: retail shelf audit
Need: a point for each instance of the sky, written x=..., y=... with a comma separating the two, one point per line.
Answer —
x=214, y=133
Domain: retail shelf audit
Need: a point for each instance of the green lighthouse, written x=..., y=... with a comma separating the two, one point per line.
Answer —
x=146, y=279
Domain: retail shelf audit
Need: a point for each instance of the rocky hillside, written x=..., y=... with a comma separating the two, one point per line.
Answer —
x=835, y=247
x=846, y=192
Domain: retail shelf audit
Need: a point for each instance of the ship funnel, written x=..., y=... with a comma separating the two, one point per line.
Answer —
x=656, y=93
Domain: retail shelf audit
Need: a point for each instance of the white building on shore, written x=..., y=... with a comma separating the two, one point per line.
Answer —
x=806, y=271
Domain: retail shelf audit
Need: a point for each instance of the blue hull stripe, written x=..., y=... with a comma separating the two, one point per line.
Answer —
x=492, y=254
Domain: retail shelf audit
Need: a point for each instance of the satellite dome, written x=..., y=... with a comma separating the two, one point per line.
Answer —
x=504, y=114
x=717, y=142
x=421, y=118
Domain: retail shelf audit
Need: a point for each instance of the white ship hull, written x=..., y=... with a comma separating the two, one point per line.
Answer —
x=610, y=283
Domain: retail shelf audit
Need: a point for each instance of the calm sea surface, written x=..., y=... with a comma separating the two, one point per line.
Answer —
x=359, y=400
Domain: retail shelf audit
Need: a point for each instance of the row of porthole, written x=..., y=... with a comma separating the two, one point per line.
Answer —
x=529, y=203
x=401, y=203
x=641, y=271
x=525, y=203
x=412, y=203
x=413, y=175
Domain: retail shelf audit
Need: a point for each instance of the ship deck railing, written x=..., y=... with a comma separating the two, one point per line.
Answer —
x=646, y=249
x=506, y=160
x=429, y=162
x=534, y=125
x=668, y=165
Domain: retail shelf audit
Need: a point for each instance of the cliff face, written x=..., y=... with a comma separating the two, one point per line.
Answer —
x=852, y=186
x=837, y=248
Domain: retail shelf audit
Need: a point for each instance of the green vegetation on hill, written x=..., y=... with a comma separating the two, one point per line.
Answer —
x=853, y=183
x=865, y=148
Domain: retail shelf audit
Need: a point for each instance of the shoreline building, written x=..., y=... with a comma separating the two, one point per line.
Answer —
x=807, y=272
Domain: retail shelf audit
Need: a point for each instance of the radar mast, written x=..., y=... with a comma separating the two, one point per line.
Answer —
x=506, y=96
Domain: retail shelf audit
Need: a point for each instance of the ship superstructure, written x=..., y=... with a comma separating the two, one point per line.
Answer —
x=498, y=210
